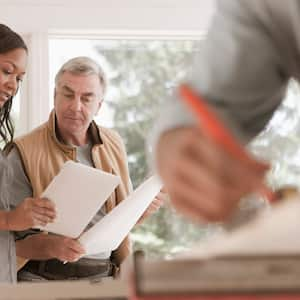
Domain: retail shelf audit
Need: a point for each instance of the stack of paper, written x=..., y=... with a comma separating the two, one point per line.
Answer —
x=79, y=192
x=259, y=260
x=273, y=232
x=109, y=232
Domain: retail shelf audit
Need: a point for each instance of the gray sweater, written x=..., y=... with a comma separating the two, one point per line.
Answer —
x=252, y=50
x=7, y=245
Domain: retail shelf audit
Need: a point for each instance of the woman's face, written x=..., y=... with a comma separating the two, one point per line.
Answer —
x=12, y=70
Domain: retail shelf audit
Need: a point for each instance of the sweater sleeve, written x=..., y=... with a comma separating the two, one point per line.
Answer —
x=240, y=70
x=20, y=187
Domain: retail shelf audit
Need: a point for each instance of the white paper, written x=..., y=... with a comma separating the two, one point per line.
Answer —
x=110, y=231
x=274, y=231
x=78, y=192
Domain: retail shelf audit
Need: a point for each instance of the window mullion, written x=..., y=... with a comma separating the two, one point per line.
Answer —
x=37, y=87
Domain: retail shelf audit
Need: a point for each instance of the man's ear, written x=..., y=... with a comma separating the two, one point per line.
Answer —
x=54, y=98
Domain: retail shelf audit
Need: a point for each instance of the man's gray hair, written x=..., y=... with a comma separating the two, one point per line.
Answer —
x=82, y=65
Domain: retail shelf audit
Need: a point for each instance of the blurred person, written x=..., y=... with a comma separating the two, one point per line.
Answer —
x=242, y=71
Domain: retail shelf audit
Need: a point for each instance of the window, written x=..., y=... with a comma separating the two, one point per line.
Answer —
x=141, y=75
x=279, y=142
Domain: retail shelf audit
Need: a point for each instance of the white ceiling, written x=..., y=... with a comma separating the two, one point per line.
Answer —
x=153, y=15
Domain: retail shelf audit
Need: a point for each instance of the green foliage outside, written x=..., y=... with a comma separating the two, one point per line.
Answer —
x=279, y=142
x=143, y=74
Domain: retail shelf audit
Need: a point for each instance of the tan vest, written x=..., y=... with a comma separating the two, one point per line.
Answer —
x=43, y=155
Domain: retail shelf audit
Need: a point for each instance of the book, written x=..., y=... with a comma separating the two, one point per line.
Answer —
x=107, y=289
x=260, y=260
x=222, y=275
x=79, y=191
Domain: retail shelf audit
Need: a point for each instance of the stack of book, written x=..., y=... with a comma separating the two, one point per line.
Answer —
x=260, y=260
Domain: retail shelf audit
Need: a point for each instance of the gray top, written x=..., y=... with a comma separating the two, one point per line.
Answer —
x=252, y=50
x=21, y=187
x=8, y=268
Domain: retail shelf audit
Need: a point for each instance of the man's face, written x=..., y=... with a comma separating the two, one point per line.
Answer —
x=77, y=100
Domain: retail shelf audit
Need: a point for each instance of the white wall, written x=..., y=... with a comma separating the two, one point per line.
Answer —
x=36, y=19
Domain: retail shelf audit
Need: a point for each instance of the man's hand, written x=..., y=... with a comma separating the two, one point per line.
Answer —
x=31, y=212
x=203, y=180
x=155, y=205
x=47, y=246
x=64, y=248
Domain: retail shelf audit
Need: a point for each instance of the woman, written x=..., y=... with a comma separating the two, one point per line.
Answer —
x=31, y=212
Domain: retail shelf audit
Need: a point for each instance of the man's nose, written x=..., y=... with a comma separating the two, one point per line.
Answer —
x=76, y=104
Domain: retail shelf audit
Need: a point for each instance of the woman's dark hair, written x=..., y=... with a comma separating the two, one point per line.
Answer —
x=9, y=41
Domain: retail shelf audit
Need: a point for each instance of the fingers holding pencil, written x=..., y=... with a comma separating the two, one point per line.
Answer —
x=204, y=168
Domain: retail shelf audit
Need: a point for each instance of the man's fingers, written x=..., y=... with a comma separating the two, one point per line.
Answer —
x=75, y=246
x=69, y=255
x=161, y=198
x=156, y=204
x=68, y=249
x=164, y=190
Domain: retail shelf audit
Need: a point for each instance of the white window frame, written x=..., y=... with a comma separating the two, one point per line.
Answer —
x=141, y=19
x=35, y=102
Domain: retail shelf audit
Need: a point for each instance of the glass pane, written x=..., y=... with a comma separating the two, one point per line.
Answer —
x=279, y=142
x=141, y=76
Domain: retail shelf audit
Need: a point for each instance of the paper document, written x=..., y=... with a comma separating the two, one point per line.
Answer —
x=110, y=231
x=274, y=231
x=78, y=192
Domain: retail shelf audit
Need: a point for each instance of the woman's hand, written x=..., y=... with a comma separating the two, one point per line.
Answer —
x=31, y=212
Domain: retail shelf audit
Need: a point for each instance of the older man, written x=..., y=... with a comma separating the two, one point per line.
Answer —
x=69, y=134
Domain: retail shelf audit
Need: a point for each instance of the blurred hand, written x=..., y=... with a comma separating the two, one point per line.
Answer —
x=155, y=205
x=30, y=213
x=204, y=182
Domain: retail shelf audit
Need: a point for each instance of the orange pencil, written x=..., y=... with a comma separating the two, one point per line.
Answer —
x=213, y=126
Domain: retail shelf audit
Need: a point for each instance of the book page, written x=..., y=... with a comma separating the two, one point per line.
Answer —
x=273, y=232
x=110, y=231
x=78, y=192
